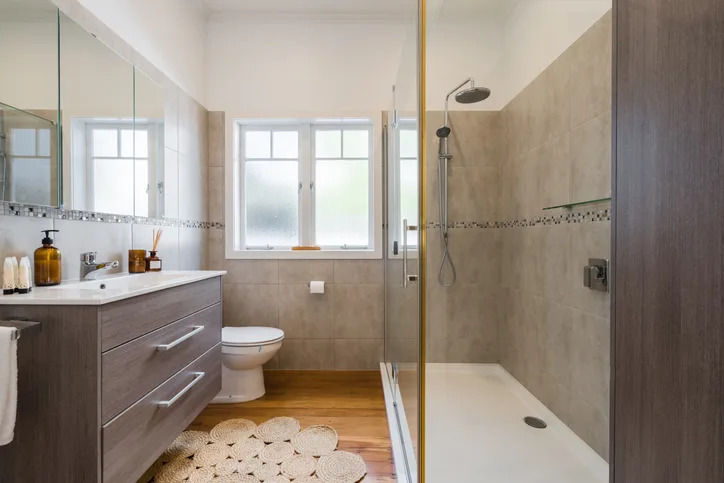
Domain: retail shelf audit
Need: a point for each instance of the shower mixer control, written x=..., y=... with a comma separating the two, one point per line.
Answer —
x=595, y=274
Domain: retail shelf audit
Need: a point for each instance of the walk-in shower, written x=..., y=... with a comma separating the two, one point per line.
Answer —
x=470, y=95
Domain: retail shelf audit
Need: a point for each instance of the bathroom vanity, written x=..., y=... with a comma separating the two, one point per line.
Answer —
x=118, y=369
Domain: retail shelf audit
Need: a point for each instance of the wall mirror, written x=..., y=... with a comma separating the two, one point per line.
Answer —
x=29, y=158
x=112, y=118
x=67, y=85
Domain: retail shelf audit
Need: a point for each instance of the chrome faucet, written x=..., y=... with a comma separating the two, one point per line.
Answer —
x=90, y=269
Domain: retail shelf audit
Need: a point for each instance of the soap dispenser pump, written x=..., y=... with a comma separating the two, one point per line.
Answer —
x=47, y=262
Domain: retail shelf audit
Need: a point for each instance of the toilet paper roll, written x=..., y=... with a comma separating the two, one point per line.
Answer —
x=316, y=286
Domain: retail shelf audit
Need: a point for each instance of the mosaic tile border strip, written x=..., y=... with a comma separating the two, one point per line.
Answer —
x=39, y=211
x=591, y=216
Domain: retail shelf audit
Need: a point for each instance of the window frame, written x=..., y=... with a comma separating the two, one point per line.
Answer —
x=394, y=213
x=235, y=211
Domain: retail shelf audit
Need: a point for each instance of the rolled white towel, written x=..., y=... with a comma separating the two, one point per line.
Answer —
x=8, y=384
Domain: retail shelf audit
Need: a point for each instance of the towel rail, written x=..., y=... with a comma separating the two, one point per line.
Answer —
x=19, y=324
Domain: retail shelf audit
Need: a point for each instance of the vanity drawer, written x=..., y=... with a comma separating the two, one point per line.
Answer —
x=125, y=320
x=137, y=436
x=133, y=369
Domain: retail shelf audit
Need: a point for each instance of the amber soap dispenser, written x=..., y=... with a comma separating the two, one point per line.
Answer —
x=47, y=262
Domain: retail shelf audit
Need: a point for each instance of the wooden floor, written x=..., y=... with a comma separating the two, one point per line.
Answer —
x=350, y=402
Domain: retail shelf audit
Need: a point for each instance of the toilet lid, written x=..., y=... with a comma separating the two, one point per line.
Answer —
x=250, y=336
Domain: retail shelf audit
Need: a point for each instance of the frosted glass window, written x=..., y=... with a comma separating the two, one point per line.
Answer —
x=342, y=203
x=408, y=196
x=105, y=142
x=141, y=187
x=408, y=143
x=30, y=180
x=23, y=142
x=141, y=143
x=356, y=144
x=286, y=145
x=272, y=203
x=126, y=143
x=258, y=144
x=111, y=180
x=328, y=144
x=43, y=142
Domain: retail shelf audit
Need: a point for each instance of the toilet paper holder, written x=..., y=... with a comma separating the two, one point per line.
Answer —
x=21, y=325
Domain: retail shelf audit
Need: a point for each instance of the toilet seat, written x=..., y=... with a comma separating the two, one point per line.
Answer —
x=250, y=336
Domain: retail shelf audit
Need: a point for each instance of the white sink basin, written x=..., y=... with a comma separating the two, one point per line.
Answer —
x=122, y=282
x=109, y=289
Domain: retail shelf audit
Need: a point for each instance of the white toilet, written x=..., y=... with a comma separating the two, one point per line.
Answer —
x=243, y=352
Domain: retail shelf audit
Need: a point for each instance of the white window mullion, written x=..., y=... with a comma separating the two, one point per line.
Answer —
x=305, y=179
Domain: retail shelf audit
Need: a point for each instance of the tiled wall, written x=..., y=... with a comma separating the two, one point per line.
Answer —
x=555, y=333
x=463, y=320
x=183, y=245
x=342, y=329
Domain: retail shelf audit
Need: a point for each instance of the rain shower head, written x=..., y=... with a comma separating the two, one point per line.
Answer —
x=473, y=95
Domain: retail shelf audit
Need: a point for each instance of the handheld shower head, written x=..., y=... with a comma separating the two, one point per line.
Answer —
x=443, y=132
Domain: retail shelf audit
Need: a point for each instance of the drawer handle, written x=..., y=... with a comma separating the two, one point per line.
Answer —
x=169, y=346
x=172, y=401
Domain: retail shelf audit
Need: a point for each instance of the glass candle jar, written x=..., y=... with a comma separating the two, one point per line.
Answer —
x=136, y=261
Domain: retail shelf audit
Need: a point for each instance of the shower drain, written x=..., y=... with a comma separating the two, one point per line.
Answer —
x=536, y=423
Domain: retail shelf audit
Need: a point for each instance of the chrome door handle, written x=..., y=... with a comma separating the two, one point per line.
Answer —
x=179, y=395
x=171, y=345
x=405, y=277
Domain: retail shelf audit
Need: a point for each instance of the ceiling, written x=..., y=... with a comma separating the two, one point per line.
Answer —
x=353, y=9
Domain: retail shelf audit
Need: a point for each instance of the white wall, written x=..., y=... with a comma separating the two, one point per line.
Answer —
x=169, y=33
x=504, y=48
x=303, y=68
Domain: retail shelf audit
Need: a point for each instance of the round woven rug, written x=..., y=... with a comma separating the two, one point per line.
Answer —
x=341, y=467
x=247, y=448
x=232, y=430
x=238, y=451
x=277, y=452
x=298, y=466
x=316, y=441
x=277, y=429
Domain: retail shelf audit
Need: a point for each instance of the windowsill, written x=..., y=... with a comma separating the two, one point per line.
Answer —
x=303, y=254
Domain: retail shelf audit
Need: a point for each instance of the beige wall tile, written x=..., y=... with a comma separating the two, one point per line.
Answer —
x=303, y=315
x=549, y=257
x=474, y=138
x=402, y=350
x=512, y=257
x=591, y=425
x=590, y=360
x=591, y=159
x=591, y=60
x=512, y=189
x=252, y=271
x=307, y=354
x=216, y=195
x=304, y=271
x=359, y=311
x=359, y=271
x=358, y=354
x=547, y=175
x=251, y=305
x=215, y=250
x=217, y=145
x=477, y=255
x=473, y=193
x=587, y=240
